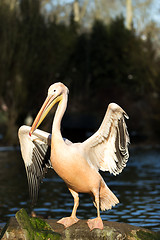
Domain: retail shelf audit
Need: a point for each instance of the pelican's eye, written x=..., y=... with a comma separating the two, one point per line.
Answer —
x=54, y=90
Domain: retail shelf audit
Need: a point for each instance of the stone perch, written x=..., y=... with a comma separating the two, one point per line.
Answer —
x=27, y=228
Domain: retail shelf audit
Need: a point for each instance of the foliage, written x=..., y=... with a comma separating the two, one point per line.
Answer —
x=108, y=62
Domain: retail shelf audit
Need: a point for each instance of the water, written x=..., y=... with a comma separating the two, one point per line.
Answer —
x=137, y=187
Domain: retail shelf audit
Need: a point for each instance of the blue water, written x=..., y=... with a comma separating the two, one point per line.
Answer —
x=137, y=187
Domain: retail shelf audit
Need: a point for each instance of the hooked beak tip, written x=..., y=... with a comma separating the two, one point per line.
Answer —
x=30, y=133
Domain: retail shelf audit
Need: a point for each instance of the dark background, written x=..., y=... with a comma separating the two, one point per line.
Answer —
x=96, y=53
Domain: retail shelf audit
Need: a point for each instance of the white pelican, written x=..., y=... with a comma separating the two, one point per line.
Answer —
x=78, y=164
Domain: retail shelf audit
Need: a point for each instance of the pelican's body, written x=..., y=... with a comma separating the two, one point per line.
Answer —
x=78, y=164
x=84, y=177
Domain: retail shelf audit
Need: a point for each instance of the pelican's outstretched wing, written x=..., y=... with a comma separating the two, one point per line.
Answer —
x=35, y=151
x=107, y=149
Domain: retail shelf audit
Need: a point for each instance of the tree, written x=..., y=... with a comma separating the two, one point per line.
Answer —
x=10, y=80
x=129, y=14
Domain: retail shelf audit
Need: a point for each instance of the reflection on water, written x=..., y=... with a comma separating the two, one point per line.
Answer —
x=137, y=187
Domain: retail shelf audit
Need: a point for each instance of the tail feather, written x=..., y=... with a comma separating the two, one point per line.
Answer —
x=107, y=197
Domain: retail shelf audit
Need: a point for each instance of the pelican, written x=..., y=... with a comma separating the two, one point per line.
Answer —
x=78, y=164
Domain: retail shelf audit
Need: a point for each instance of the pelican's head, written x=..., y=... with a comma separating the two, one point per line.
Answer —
x=56, y=92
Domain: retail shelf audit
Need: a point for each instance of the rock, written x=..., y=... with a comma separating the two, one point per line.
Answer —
x=12, y=230
x=35, y=228
x=29, y=228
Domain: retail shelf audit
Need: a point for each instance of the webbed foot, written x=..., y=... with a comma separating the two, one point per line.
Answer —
x=68, y=221
x=95, y=223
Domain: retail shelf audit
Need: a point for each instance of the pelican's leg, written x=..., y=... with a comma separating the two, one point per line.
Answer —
x=96, y=222
x=68, y=221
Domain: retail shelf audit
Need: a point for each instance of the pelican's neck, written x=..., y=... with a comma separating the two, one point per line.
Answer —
x=56, y=127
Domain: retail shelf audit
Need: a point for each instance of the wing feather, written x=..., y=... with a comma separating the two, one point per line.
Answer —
x=36, y=155
x=107, y=149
